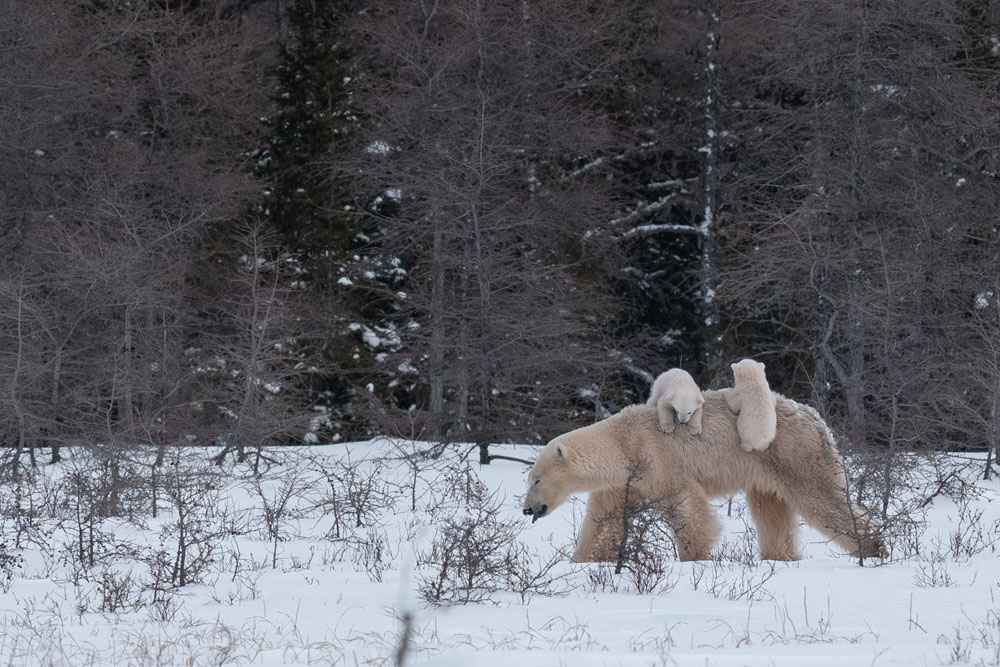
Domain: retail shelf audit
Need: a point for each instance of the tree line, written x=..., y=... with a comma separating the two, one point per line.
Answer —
x=250, y=222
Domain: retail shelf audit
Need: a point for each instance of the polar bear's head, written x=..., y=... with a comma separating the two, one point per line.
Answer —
x=748, y=371
x=685, y=404
x=591, y=458
x=551, y=480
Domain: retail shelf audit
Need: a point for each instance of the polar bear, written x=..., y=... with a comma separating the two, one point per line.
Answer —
x=675, y=393
x=753, y=401
x=627, y=457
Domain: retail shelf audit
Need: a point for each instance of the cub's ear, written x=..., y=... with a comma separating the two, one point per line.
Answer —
x=560, y=452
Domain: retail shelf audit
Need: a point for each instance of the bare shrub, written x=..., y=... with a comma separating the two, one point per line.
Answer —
x=529, y=573
x=356, y=493
x=277, y=499
x=648, y=549
x=95, y=490
x=372, y=553
x=416, y=460
x=651, y=572
x=475, y=554
x=460, y=484
x=120, y=592
x=969, y=534
x=24, y=509
x=749, y=585
x=906, y=534
x=933, y=573
x=192, y=538
x=10, y=564
x=467, y=560
x=740, y=583
x=602, y=578
x=740, y=546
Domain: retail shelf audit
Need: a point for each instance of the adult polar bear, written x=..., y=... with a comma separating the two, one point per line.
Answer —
x=801, y=473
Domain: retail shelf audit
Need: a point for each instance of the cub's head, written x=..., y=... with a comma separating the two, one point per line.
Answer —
x=749, y=371
x=685, y=404
x=551, y=480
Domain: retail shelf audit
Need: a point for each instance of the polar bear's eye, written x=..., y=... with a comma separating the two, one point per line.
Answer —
x=537, y=482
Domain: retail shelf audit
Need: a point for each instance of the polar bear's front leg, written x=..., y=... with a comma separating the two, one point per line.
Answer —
x=694, y=424
x=695, y=526
x=603, y=527
x=665, y=410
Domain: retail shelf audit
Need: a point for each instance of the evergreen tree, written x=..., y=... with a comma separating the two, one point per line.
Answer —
x=312, y=124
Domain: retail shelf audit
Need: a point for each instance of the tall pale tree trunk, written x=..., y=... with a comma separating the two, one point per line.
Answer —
x=710, y=181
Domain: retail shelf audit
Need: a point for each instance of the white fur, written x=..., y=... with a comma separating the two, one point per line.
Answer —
x=753, y=401
x=675, y=394
x=626, y=460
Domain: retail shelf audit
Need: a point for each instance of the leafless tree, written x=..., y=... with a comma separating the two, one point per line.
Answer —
x=125, y=131
x=256, y=355
x=482, y=124
x=857, y=194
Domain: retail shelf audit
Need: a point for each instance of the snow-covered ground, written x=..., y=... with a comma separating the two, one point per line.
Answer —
x=329, y=591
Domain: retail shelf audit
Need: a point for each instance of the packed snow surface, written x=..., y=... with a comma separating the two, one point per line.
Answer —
x=317, y=560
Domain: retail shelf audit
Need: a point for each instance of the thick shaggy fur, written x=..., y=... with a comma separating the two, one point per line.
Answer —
x=628, y=456
x=752, y=400
x=675, y=394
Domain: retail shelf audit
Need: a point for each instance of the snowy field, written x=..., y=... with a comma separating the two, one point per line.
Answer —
x=278, y=571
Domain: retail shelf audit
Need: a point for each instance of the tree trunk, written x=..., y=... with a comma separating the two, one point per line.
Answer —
x=857, y=318
x=710, y=178
x=54, y=399
x=435, y=368
x=15, y=381
x=993, y=428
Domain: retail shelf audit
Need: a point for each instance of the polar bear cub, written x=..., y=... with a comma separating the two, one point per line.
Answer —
x=752, y=400
x=675, y=394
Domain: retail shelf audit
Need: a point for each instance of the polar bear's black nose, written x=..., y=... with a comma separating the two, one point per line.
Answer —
x=535, y=514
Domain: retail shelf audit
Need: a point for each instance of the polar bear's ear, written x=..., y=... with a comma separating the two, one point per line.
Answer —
x=560, y=452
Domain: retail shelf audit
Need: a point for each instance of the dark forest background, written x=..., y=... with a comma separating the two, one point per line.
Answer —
x=251, y=222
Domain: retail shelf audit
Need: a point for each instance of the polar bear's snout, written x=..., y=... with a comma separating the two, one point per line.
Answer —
x=535, y=511
x=534, y=506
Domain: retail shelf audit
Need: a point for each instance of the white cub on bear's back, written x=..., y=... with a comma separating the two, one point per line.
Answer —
x=675, y=394
x=753, y=401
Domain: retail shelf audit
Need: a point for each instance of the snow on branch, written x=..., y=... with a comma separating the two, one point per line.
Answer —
x=645, y=209
x=596, y=162
x=671, y=183
x=677, y=227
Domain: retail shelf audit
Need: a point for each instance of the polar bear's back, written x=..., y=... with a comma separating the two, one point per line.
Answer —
x=803, y=447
